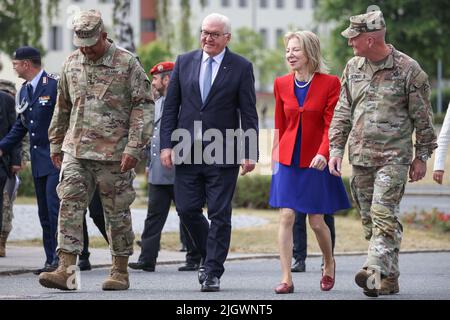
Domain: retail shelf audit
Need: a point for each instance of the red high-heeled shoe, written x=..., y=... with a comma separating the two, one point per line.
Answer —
x=327, y=282
x=284, y=288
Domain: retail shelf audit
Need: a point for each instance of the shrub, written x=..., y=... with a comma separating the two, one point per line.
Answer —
x=26, y=188
x=434, y=220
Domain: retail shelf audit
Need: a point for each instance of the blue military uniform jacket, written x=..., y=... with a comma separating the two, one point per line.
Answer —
x=35, y=120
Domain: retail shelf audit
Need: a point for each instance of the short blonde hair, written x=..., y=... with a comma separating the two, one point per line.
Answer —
x=310, y=45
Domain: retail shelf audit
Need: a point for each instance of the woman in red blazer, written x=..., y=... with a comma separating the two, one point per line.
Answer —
x=305, y=101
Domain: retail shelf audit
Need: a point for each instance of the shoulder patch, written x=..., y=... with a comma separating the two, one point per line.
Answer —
x=53, y=76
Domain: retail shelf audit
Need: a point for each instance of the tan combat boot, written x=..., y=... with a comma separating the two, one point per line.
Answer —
x=118, y=277
x=60, y=279
x=364, y=281
x=389, y=285
x=2, y=246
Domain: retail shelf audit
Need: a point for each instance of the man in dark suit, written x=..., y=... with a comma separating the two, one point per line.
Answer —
x=211, y=94
x=35, y=104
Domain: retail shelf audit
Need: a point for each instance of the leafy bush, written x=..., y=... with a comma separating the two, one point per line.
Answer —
x=26, y=188
x=434, y=220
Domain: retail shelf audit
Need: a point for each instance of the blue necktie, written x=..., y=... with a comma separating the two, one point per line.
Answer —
x=207, y=79
x=30, y=91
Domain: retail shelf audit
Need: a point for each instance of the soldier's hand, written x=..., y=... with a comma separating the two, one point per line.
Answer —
x=417, y=170
x=334, y=165
x=438, y=175
x=128, y=163
x=56, y=160
x=166, y=158
x=319, y=162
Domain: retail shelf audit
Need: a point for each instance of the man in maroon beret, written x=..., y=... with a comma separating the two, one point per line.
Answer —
x=160, y=186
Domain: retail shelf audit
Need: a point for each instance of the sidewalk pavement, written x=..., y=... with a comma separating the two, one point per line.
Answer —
x=20, y=260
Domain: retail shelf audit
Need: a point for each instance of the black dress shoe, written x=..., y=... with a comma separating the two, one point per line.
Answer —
x=189, y=266
x=47, y=268
x=84, y=265
x=139, y=243
x=299, y=266
x=211, y=284
x=149, y=267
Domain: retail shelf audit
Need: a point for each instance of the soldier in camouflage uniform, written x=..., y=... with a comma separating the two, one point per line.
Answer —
x=102, y=123
x=384, y=98
x=7, y=211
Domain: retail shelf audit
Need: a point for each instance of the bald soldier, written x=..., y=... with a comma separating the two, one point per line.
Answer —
x=385, y=96
x=102, y=123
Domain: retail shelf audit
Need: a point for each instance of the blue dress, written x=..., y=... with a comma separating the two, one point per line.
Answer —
x=306, y=190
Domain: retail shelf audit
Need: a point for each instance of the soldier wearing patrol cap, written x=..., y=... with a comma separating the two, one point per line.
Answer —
x=160, y=186
x=102, y=122
x=385, y=96
x=35, y=103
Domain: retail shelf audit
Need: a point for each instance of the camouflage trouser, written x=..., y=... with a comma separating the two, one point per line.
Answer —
x=7, y=215
x=78, y=181
x=377, y=192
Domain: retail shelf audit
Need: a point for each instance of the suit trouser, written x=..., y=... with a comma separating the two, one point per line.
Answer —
x=377, y=192
x=96, y=214
x=159, y=200
x=48, y=207
x=301, y=239
x=79, y=179
x=195, y=185
x=2, y=211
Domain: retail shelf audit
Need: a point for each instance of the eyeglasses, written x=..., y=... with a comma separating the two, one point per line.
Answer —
x=214, y=35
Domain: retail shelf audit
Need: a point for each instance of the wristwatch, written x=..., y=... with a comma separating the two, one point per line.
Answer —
x=423, y=157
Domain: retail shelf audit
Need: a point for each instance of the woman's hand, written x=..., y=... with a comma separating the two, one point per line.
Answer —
x=438, y=175
x=319, y=162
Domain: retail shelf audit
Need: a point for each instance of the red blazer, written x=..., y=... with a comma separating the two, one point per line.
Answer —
x=316, y=112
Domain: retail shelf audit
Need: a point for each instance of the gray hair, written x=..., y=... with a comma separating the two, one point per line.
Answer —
x=217, y=17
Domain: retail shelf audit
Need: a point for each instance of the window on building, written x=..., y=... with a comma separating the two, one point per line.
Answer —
x=279, y=34
x=55, y=38
x=264, y=37
x=148, y=25
x=243, y=3
x=225, y=3
x=280, y=4
x=299, y=4
x=263, y=3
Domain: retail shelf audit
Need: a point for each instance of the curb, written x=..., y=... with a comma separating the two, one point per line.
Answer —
x=253, y=257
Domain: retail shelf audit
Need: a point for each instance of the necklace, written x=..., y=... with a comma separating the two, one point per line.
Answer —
x=304, y=85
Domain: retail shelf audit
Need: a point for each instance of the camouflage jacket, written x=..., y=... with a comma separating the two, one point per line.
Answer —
x=379, y=107
x=104, y=109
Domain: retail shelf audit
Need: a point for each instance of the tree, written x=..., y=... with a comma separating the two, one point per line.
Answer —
x=268, y=63
x=415, y=27
x=153, y=53
x=122, y=25
x=20, y=23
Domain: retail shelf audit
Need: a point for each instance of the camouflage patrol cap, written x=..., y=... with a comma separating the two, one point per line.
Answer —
x=367, y=22
x=87, y=27
x=8, y=87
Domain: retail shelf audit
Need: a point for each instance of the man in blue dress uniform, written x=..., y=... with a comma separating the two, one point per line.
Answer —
x=35, y=103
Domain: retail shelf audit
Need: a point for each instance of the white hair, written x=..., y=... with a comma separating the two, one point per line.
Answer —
x=217, y=17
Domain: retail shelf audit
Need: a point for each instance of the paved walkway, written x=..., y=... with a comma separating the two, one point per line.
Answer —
x=20, y=260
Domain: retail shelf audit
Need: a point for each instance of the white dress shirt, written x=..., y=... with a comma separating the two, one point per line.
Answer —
x=443, y=141
x=217, y=60
x=34, y=83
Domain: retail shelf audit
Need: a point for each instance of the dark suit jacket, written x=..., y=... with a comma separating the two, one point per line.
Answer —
x=36, y=120
x=231, y=103
x=7, y=118
x=316, y=112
